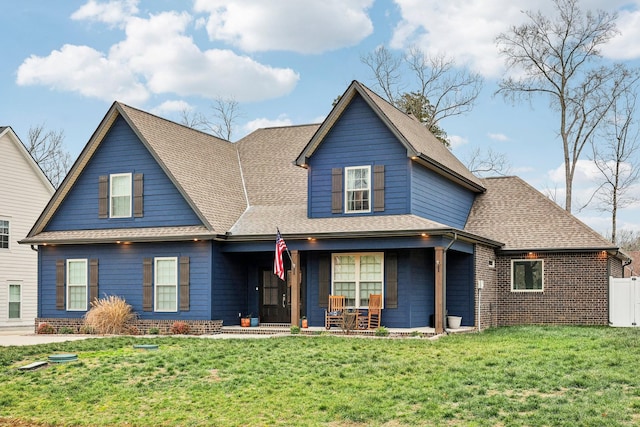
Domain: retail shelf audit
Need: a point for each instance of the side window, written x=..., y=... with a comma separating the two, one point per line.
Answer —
x=358, y=189
x=527, y=275
x=77, y=285
x=120, y=195
x=4, y=234
x=15, y=300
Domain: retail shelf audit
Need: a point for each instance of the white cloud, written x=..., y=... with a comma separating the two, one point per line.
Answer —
x=466, y=29
x=260, y=123
x=84, y=70
x=157, y=56
x=169, y=107
x=498, y=137
x=311, y=26
x=114, y=12
x=457, y=141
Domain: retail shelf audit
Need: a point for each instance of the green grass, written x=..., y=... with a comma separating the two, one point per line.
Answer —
x=531, y=376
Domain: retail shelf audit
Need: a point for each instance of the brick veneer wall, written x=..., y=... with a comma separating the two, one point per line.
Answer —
x=576, y=288
x=488, y=296
x=196, y=327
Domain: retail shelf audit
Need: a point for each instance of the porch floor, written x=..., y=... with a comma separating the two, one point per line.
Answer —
x=285, y=329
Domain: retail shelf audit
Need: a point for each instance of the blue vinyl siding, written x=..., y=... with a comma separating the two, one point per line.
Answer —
x=122, y=152
x=120, y=273
x=359, y=138
x=230, y=287
x=438, y=199
x=460, y=287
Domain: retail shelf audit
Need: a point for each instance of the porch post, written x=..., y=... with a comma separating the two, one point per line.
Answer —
x=439, y=296
x=295, y=287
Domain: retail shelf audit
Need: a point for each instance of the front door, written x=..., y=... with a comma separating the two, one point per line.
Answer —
x=275, y=301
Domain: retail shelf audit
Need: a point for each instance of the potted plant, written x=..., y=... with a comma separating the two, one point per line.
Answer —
x=245, y=321
x=304, y=322
x=254, y=321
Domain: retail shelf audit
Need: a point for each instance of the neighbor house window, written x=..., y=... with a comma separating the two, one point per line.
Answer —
x=15, y=300
x=4, y=234
x=527, y=275
x=166, y=284
x=356, y=276
x=120, y=195
x=77, y=284
x=358, y=189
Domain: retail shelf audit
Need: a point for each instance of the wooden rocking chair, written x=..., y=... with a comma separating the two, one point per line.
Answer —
x=334, y=314
x=375, y=311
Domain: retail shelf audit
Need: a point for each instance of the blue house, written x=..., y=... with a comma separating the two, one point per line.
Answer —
x=182, y=225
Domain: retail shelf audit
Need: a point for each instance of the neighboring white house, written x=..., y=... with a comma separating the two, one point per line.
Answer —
x=24, y=192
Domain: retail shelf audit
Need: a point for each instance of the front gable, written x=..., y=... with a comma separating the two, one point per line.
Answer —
x=122, y=152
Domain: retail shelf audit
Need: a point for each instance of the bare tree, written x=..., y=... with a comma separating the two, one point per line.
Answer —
x=487, y=163
x=628, y=240
x=554, y=57
x=226, y=112
x=440, y=89
x=47, y=149
x=616, y=158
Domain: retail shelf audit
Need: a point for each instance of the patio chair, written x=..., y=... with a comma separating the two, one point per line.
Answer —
x=375, y=311
x=333, y=315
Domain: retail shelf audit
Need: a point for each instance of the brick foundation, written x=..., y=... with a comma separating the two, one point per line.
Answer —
x=196, y=327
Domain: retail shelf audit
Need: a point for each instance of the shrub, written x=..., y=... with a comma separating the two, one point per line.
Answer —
x=154, y=331
x=66, y=330
x=382, y=332
x=295, y=329
x=87, y=330
x=45, y=328
x=110, y=315
x=179, y=328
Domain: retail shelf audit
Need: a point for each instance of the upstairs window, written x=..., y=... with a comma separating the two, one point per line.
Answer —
x=120, y=195
x=527, y=275
x=4, y=234
x=358, y=189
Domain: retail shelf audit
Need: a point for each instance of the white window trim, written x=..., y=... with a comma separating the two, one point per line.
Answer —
x=346, y=190
x=85, y=286
x=156, y=286
x=8, y=248
x=117, y=175
x=357, y=278
x=512, y=275
x=14, y=283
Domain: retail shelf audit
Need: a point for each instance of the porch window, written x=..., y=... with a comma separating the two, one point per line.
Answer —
x=356, y=276
x=166, y=284
x=358, y=189
x=77, y=284
x=120, y=197
x=527, y=275
x=15, y=300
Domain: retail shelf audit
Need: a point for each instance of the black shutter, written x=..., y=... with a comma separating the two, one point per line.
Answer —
x=147, y=288
x=103, y=196
x=184, y=283
x=93, y=280
x=336, y=191
x=378, y=188
x=138, y=193
x=391, y=281
x=60, y=284
x=324, y=273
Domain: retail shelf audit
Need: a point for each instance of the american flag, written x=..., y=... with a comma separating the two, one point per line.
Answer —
x=278, y=263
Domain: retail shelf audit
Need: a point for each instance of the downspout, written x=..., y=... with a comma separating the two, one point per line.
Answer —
x=444, y=278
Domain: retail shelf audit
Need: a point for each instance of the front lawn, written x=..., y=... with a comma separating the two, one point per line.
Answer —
x=533, y=376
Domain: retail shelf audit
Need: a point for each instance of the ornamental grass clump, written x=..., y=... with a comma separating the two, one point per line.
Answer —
x=110, y=315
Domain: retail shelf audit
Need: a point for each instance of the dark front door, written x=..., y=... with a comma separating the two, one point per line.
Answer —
x=275, y=302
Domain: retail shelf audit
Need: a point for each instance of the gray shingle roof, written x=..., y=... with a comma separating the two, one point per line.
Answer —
x=516, y=214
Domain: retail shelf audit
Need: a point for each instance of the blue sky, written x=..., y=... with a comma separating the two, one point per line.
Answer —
x=284, y=61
